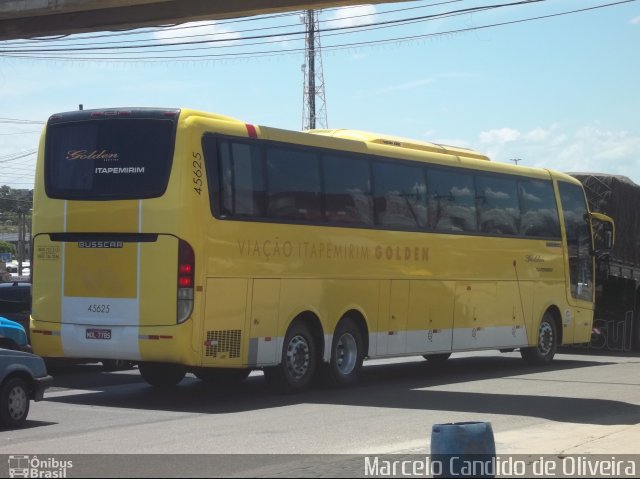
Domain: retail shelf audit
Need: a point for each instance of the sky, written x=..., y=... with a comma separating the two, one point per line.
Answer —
x=561, y=92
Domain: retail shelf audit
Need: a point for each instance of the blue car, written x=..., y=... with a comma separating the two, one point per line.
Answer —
x=15, y=302
x=13, y=335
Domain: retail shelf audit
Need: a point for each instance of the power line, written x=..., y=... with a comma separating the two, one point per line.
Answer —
x=173, y=28
x=13, y=157
x=255, y=54
x=66, y=49
x=21, y=122
x=278, y=38
x=20, y=132
x=215, y=24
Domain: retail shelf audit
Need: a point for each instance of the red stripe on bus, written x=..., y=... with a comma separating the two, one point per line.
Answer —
x=251, y=130
x=40, y=331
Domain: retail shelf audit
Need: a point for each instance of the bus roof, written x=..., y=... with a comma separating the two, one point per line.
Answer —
x=399, y=142
x=405, y=146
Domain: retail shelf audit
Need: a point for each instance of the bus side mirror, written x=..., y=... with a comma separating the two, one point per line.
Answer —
x=603, y=233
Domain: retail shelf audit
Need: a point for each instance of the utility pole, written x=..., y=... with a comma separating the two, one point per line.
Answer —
x=21, y=227
x=314, y=108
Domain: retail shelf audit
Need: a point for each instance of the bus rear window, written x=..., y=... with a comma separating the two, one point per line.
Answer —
x=109, y=159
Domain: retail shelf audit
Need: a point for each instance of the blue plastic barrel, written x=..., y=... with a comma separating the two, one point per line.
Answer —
x=463, y=449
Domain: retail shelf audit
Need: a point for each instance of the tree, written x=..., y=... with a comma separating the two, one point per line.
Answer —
x=7, y=248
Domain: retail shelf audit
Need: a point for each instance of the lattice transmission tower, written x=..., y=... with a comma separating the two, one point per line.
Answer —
x=314, y=106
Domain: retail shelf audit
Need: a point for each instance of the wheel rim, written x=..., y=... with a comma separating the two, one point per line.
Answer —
x=298, y=357
x=18, y=401
x=346, y=354
x=545, y=341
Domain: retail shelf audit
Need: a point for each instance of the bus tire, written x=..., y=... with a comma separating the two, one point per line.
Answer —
x=298, y=362
x=162, y=375
x=437, y=358
x=14, y=402
x=547, y=346
x=347, y=355
x=221, y=376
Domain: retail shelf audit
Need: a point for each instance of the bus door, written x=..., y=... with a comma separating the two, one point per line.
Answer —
x=392, y=327
x=577, y=319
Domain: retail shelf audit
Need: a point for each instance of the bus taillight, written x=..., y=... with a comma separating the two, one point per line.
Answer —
x=186, y=279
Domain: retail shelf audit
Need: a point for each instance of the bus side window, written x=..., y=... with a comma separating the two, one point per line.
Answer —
x=400, y=195
x=539, y=212
x=248, y=181
x=452, y=196
x=578, y=234
x=498, y=206
x=347, y=190
x=293, y=191
x=235, y=176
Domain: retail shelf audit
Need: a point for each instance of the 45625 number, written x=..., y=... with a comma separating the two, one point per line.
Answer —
x=100, y=308
x=197, y=172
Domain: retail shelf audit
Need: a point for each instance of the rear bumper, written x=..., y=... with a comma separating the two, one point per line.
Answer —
x=170, y=344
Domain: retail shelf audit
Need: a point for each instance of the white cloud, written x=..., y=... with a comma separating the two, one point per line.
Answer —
x=204, y=30
x=635, y=21
x=358, y=16
x=538, y=134
x=499, y=136
x=584, y=149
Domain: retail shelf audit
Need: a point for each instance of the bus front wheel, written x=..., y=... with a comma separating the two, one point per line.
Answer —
x=547, y=345
x=162, y=375
x=298, y=362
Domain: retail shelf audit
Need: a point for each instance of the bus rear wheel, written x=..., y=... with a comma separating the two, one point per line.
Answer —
x=347, y=354
x=547, y=346
x=162, y=375
x=298, y=362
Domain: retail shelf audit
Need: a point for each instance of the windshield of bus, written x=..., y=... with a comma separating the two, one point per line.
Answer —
x=108, y=158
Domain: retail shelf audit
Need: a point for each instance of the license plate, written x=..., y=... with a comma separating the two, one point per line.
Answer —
x=98, y=334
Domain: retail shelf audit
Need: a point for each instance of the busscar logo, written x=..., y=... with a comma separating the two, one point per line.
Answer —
x=103, y=155
x=100, y=244
x=28, y=466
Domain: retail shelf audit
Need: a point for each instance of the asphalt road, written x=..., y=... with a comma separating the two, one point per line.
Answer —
x=581, y=404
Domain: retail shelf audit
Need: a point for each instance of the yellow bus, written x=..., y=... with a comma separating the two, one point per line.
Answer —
x=194, y=242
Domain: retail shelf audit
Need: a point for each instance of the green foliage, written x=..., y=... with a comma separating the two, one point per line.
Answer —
x=15, y=201
x=7, y=247
x=13, y=205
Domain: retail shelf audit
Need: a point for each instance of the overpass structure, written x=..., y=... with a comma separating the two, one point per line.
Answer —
x=38, y=18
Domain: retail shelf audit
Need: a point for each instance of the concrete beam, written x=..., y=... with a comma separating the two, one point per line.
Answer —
x=38, y=18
